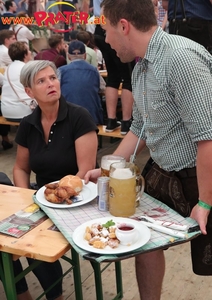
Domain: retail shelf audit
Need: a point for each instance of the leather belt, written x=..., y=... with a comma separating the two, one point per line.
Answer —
x=188, y=172
x=190, y=20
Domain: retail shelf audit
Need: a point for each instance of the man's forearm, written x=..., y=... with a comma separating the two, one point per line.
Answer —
x=204, y=171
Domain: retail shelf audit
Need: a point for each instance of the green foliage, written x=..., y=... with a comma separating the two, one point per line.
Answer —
x=108, y=224
x=38, y=30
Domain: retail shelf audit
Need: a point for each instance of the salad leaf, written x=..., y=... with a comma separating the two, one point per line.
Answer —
x=108, y=224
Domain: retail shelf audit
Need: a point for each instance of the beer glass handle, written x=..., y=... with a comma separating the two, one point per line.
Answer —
x=140, y=185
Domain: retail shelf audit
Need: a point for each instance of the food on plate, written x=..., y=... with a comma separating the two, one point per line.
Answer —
x=69, y=186
x=71, y=181
x=101, y=235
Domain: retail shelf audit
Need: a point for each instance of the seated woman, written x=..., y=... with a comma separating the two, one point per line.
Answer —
x=57, y=139
x=15, y=103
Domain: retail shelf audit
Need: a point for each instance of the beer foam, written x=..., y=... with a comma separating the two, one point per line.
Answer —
x=105, y=164
x=122, y=174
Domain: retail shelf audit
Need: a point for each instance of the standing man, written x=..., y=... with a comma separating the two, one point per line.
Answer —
x=11, y=8
x=192, y=19
x=71, y=6
x=118, y=72
x=172, y=89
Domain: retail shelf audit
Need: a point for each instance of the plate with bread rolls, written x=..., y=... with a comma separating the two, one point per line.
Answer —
x=70, y=191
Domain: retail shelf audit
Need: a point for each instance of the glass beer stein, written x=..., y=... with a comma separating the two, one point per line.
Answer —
x=122, y=189
x=107, y=160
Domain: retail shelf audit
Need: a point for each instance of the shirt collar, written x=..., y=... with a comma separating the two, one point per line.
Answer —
x=154, y=45
x=35, y=117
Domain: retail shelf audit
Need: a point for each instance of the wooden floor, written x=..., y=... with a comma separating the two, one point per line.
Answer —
x=179, y=283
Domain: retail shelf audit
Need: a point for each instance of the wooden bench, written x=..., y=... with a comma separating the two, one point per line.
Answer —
x=113, y=135
x=3, y=121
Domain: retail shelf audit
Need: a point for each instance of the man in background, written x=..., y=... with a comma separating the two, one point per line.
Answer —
x=117, y=73
x=7, y=37
x=80, y=82
x=192, y=19
x=70, y=6
x=11, y=8
x=56, y=53
x=91, y=56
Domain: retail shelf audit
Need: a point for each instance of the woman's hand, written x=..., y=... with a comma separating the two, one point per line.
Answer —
x=92, y=175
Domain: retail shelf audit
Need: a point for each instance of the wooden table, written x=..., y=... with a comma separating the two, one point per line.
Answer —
x=40, y=243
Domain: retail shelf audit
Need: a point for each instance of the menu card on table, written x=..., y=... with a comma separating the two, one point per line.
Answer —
x=22, y=221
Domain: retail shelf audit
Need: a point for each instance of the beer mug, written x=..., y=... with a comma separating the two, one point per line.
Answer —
x=107, y=160
x=122, y=189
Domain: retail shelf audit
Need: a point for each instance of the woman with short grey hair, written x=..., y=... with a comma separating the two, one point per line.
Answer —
x=56, y=140
x=32, y=68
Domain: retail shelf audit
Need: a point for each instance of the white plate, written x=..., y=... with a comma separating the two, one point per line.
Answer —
x=143, y=236
x=88, y=193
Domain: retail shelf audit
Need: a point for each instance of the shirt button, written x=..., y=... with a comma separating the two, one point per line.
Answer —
x=54, y=124
x=146, y=115
x=153, y=149
x=51, y=132
x=151, y=133
x=50, y=141
x=144, y=93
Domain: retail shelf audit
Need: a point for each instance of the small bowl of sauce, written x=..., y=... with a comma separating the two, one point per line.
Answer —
x=126, y=233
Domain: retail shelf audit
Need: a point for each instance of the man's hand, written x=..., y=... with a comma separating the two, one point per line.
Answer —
x=200, y=214
x=92, y=175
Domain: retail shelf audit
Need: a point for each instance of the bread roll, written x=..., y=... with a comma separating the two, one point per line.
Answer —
x=71, y=181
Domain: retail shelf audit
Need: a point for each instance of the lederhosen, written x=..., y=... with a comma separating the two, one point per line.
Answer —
x=198, y=30
x=179, y=190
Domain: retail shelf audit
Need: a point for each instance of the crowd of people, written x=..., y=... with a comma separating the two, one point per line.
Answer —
x=15, y=104
x=166, y=95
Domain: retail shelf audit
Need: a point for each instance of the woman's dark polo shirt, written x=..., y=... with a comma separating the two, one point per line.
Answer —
x=56, y=159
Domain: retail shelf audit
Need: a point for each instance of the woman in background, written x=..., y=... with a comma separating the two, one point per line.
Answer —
x=15, y=103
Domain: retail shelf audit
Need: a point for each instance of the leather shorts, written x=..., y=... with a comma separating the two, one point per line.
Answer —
x=179, y=190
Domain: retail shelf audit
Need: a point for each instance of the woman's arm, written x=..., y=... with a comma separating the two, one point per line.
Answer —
x=86, y=152
x=21, y=170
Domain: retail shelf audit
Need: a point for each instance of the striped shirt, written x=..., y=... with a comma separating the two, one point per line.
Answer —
x=172, y=88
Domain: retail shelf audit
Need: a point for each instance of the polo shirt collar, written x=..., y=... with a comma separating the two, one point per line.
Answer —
x=35, y=117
